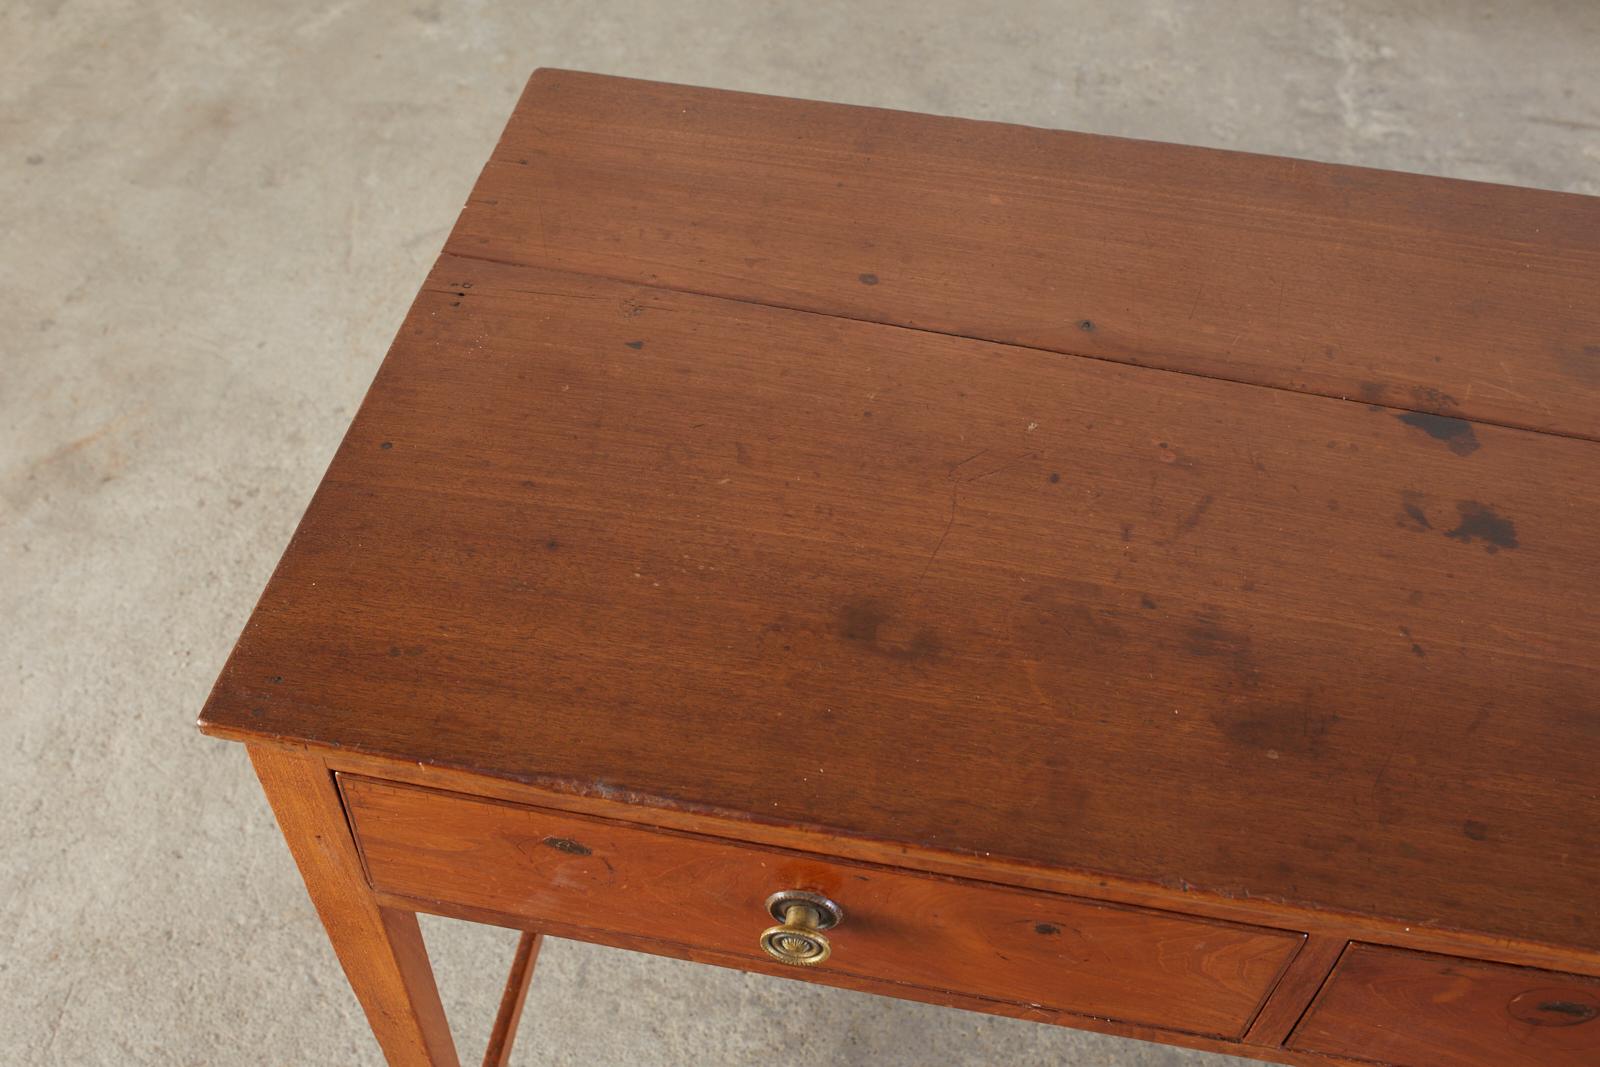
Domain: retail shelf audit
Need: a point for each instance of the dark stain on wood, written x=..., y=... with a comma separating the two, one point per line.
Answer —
x=1554, y=1006
x=867, y=622
x=1479, y=522
x=1428, y=396
x=635, y=345
x=924, y=645
x=1191, y=520
x=867, y=279
x=1047, y=929
x=859, y=620
x=1570, y=1009
x=1208, y=638
x=1411, y=506
x=567, y=845
x=1457, y=433
x=1290, y=730
x=1582, y=363
x=1474, y=829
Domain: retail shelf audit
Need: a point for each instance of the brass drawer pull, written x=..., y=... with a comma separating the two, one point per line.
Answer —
x=797, y=939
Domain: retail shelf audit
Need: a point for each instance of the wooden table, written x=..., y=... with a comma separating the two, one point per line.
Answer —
x=1142, y=588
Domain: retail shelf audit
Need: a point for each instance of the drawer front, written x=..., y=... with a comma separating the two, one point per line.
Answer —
x=1419, y=1010
x=1125, y=964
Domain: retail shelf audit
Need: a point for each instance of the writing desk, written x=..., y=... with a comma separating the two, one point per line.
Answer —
x=1142, y=588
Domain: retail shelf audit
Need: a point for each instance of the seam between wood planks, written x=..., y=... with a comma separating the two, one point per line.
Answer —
x=777, y=306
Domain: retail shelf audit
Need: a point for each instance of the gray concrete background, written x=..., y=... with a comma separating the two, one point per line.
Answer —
x=214, y=216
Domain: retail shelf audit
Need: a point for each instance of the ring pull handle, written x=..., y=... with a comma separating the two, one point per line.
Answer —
x=797, y=939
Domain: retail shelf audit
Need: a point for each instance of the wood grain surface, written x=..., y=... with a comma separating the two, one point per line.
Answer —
x=1418, y=1010
x=712, y=556
x=1054, y=952
x=1442, y=296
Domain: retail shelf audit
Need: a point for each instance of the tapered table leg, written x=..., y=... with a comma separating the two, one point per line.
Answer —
x=511, y=1002
x=381, y=949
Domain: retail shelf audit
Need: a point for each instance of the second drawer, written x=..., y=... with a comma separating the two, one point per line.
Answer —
x=1417, y=1009
x=1126, y=964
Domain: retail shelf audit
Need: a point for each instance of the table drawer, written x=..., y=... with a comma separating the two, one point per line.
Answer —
x=1418, y=1010
x=1126, y=964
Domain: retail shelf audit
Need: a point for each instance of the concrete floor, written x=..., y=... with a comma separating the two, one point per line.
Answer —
x=214, y=215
